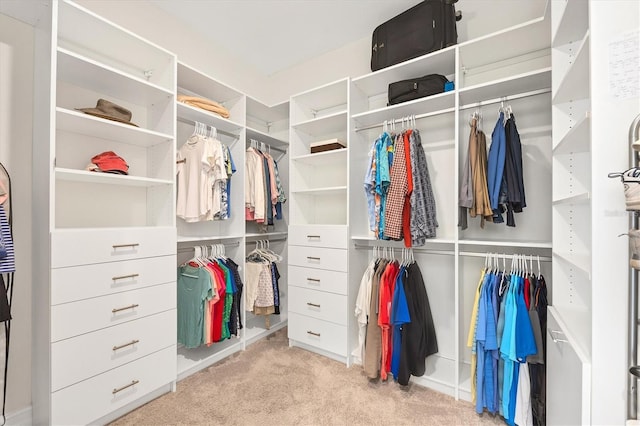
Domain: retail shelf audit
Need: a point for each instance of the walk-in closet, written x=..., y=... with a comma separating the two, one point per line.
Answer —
x=179, y=197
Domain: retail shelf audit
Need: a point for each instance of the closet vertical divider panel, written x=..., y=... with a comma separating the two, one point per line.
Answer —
x=206, y=233
x=96, y=347
x=319, y=295
x=435, y=120
x=492, y=74
x=268, y=127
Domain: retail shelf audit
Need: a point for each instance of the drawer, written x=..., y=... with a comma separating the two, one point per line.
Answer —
x=329, y=236
x=81, y=246
x=320, y=334
x=99, y=312
x=101, y=279
x=320, y=258
x=110, y=348
x=317, y=304
x=94, y=398
x=318, y=279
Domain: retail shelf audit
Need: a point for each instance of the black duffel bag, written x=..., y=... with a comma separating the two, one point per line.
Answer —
x=414, y=88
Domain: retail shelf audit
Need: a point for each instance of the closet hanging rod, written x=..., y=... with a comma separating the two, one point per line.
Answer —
x=415, y=249
x=505, y=98
x=273, y=148
x=504, y=256
x=253, y=239
x=191, y=248
x=186, y=120
x=400, y=120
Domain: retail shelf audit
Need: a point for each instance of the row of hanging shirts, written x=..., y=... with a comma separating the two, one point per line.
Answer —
x=396, y=331
x=492, y=183
x=400, y=200
x=264, y=193
x=204, y=170
x=508, y=349
x=209, y=290
x=261, y=278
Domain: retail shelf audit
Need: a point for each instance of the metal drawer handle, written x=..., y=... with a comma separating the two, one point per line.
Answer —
x=315, y=305
x=117, y=246
x=313, y=334
x=313, y=236
x=122, y=277
x=133, y=342
x=552, y=333
x=315, y=280
x=313, y=258
x=133, y=383
x=133, y=306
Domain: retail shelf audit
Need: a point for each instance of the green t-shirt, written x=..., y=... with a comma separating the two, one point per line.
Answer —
x=194, y=287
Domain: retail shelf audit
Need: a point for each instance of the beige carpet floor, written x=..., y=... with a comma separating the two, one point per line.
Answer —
x=273, y=384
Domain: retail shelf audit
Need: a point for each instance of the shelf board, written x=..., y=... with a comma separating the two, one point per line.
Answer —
x=528, y=37
x=573, y=23
x=324, y=97
x=324, y=125
x=580, y=261
x=267, y=114
x=333, y=190
x=577, y=139
x=258, y=235
x=520, y=83
x=191, y=114
x=197, y=82
x=265, y=137
x=507, y=243
x=85, y=124
x=189, y=239
x=439, y=62
x=191, y=360
x=442, y=102
x=107, y=178
x=575, y=83
x=370, y=239
x=323, y=158
x=582, y=198
x=85, y=72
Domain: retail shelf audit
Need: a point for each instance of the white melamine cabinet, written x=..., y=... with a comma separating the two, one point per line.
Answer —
x=318, y=221
x=95, y=346
x=249, y=120
x=592, y=114
x=485, y=71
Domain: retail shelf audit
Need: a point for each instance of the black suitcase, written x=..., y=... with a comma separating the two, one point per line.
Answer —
x=426, y=27
x=414, y=88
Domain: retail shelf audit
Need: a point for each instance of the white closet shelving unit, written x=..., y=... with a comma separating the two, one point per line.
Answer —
x=248, y=119
x=569, y=326
x=520, y=75
x=99, y=348
x=319, y=296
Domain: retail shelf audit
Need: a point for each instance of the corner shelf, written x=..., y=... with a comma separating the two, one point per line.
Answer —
x=580, y=261
x=575, y=83
x=581, y=198
x=577, y=139
x=573, y=24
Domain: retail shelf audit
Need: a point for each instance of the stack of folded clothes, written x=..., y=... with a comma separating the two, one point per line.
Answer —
x=205, y=104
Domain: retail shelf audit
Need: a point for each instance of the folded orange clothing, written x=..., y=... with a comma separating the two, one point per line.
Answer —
x=205, y=104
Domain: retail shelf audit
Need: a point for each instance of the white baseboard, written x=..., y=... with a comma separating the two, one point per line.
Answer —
x=23, y=417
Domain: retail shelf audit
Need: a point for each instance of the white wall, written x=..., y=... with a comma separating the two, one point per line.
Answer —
x=16, y=104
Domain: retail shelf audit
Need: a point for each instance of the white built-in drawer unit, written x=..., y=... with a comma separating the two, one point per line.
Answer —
x=110, y=348
x=101, y=279
x=321, y=334
x=96, y=397
x=318, y=279
x=318, y=304
x=85, y=246
x=72, y=319
x=329, y=236
x=320, y=258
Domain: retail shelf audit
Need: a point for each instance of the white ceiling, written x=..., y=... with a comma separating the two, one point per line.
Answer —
x=273, y=35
